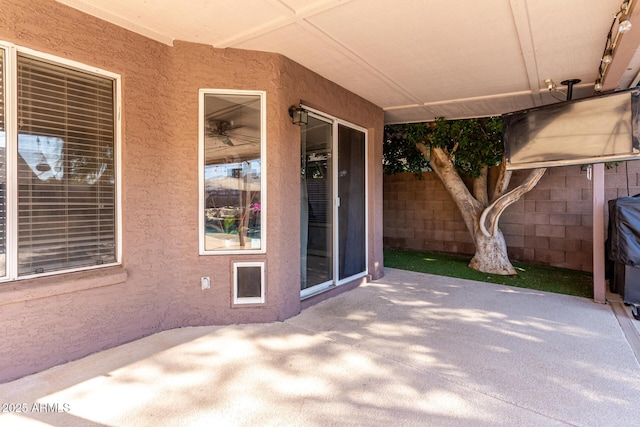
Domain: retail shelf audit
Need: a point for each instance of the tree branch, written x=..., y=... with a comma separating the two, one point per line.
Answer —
x=469, y=207
x=504, y=177
x=422, y=147
x=454, y=149
x=494, y=210
x=480, y=190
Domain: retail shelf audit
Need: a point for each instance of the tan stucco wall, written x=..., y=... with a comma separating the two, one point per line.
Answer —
x=69, y=316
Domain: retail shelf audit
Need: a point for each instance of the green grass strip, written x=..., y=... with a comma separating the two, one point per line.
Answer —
x=542, y=278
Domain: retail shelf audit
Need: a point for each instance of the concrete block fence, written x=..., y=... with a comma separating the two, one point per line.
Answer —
x=550, y=225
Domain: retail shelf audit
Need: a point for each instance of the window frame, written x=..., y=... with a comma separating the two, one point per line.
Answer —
x=201, y=171
x=11, y=52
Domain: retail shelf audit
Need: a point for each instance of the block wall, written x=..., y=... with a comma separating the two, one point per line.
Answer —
x=551, y=225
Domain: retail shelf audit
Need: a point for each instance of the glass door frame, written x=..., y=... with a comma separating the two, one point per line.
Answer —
x=336, y=281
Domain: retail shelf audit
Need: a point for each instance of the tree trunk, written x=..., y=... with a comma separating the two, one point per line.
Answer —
x=491, y=254
x=491, y=250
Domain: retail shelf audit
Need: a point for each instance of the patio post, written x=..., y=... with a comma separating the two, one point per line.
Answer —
x=599, y=285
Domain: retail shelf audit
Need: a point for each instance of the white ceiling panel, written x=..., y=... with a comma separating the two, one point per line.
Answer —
x=484, y=31
x=560, y=36
x=417, y=59
x=201, y=21
x=295, y=42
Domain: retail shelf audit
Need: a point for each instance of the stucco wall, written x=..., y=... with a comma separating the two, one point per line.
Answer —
x=550, y=225
x=158, y=287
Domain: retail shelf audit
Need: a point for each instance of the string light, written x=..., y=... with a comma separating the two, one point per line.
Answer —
x=598, y=86
x=624, y=26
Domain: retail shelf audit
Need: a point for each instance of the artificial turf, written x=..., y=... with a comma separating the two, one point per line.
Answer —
x=543, y=278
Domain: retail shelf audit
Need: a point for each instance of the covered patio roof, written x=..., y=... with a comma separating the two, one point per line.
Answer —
x=416, y=59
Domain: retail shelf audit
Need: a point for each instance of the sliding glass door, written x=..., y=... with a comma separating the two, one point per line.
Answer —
x=333, y=204
x=352, y=202
x=316, y=222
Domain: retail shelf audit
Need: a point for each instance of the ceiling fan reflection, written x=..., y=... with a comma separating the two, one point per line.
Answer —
x=219, y=129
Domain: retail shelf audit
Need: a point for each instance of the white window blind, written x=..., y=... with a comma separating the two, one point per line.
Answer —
x=66, y=180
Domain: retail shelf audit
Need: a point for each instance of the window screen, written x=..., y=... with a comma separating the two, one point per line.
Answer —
x=66, y=180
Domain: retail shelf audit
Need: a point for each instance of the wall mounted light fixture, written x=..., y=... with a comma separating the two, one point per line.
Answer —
x=299, y=116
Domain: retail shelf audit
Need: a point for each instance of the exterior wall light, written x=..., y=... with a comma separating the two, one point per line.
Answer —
x=299, y=116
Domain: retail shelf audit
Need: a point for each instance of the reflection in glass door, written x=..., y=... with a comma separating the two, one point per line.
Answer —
x=316, y=189
x=333, y=204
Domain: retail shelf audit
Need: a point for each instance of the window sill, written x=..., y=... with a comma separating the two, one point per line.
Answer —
x=249, y=305
x=45, y=287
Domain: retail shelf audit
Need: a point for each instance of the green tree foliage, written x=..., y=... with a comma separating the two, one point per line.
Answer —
x=400, y=153
x=461, y=152
x=471, y=143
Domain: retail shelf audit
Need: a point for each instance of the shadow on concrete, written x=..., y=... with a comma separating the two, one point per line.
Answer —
x=409, y=349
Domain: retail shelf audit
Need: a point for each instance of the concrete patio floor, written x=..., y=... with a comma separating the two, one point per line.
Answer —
x=409, y=349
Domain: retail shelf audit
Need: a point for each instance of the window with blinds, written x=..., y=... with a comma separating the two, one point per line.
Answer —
x=66, y=181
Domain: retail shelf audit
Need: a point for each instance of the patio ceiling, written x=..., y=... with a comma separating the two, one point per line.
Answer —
x=417, y=59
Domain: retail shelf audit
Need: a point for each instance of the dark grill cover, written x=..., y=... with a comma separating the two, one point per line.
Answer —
x=624, y=230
